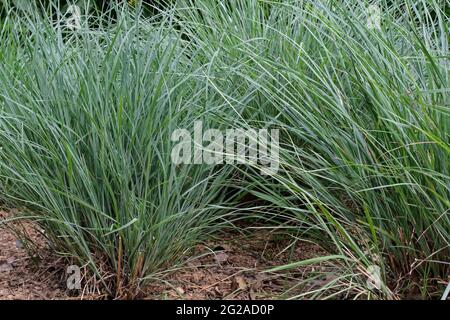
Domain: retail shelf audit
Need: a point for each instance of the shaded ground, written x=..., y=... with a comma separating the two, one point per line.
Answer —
x=230, y=267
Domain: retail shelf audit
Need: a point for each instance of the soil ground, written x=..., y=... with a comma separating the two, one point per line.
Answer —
x=26, y=277
x=230, y=267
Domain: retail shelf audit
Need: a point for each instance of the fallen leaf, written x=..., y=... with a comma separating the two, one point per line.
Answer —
x=242, y=284
x=221, y=257
x=179, y=290
x=4, y=267
x=19, y=244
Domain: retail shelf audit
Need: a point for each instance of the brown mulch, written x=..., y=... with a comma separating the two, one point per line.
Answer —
x=25, y=277
x=233, y=266
x=230, y=267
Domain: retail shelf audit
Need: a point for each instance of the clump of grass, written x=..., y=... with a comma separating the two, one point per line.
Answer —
x=85, y=123
x=364, y=114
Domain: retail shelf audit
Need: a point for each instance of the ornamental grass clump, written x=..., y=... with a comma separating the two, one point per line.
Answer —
x=85, y=123
x=358, y=91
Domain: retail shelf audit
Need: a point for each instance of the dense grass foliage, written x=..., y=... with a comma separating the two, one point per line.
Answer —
x=85, y=122
x=365, y=113
x=364, y=116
